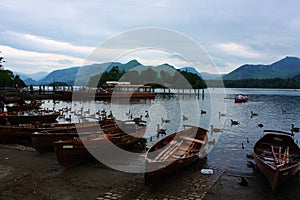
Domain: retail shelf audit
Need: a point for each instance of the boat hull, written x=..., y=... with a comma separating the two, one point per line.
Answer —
x=73, y=152
x=276, y=166
x=156, y=168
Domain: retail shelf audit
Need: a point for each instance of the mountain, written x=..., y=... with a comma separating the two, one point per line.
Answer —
x=81, y=75
x=203, y=75
x=36, y=76
x=287, y=67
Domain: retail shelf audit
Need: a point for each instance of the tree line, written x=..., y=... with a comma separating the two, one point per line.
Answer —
x=289, y=83
x=180, y=79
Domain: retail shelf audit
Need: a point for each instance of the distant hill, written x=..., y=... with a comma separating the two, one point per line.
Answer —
x=285, y=68
x=36, y=76
x=203, y=75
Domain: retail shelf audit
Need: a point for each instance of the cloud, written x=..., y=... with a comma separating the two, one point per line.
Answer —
x=31, y=61
x=239, y=50
x=43, y=44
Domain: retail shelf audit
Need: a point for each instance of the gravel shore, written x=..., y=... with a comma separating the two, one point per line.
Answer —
x=26, y=174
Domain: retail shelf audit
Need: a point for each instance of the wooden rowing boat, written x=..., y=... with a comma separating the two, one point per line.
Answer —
x=123, y=134
x=16, y=119
x=42, y=141
x=25, y=107
x=23, y=133
x=277, y=156
x=174, y=152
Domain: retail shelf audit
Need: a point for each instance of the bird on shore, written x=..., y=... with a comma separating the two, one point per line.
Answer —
x=243, y=181
x=234, y=122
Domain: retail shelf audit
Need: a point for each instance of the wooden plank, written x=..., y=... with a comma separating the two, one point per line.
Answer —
x=164, y=151
x=193, y=139
x=173, y=150
x=273, y=152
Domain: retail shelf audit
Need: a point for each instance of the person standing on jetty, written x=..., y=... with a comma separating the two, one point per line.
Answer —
x=31, y=89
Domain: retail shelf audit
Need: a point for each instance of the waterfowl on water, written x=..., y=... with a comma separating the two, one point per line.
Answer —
x=184, y=118
x=234, y=122
x=212, y=129
x=260, y=125
x=147, y=114
x=253, y=114
x=202, y=112
x=283, y=110
x=294, y=129
x=222, y=114
x=165, y=120
x=160, y=131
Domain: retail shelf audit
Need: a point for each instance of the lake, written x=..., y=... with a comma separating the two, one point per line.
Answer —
x=227, y=151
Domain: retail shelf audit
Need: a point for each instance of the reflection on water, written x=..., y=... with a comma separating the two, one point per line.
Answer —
x=225, y=148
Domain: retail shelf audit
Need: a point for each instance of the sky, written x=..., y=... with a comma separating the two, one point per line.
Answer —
x=49, y=35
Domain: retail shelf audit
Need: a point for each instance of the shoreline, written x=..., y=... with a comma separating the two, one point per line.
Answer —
x=27, y=174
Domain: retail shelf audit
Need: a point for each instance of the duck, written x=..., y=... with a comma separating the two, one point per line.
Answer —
x=283, y=110
x=212, y=129
x=202, y=112
x=68, y=119
x=110, y=116
x=294, y=129
x=165, y=120
x=222, y=114
x=260, y=125
x=184, y=118
x=247, y=140
x=234, y=122
x=243, y=146
x=147, y=114
x=160, y=131
x=128, y=113
x=253, y=114
x=211, y=142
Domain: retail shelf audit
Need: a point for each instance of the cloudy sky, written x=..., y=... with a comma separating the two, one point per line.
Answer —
x=48, y=35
